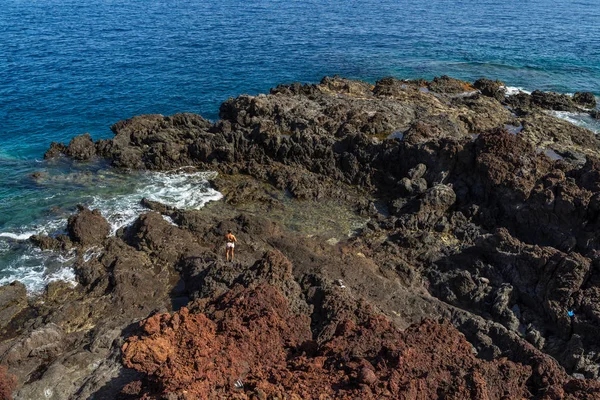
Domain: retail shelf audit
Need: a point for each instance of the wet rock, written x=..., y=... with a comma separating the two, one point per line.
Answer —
x=552, y=101
x=158, y=207
x=55, y=150
x=39, y=176
x=88, y=228
x=585, y=99
x=490, y=88
x=81, y=148
x=58, y=243
x=519, y=102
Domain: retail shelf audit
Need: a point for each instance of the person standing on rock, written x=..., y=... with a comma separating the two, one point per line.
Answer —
x=230, y=246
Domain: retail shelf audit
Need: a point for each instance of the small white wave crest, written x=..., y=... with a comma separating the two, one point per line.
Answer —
x=578, y=118
x=17, y=236
x=512, y=90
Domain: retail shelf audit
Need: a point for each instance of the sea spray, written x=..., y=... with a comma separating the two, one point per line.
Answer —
x=578, y=118
x=117, y=196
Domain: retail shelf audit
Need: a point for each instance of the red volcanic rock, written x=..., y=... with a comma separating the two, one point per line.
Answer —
x=367, y=376
x=251, y=334
x=249, y=345
x=7, y=383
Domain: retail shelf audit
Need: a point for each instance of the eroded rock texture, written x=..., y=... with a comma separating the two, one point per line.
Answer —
x=473, y=274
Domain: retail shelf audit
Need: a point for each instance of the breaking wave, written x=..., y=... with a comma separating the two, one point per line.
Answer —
x=36, y=268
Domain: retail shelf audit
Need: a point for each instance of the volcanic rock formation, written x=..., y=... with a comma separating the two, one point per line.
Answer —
x=475, y=272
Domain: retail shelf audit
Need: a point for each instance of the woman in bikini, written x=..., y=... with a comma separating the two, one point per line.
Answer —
x=230, y=246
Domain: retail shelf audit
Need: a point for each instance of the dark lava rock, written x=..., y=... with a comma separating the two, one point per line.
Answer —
x=39, y=175
x=438, y=199
x=519, y=102
x=482, y=228
x=154, y=141
x=58, y=243
x=552, y=101
x=446, y=84
x=585, y=99
x=55, y=150
x=156, y=206
x=81, y=148
x=490, y=88
x=88, y=228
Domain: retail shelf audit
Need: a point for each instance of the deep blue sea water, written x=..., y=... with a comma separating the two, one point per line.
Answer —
x=68, y=67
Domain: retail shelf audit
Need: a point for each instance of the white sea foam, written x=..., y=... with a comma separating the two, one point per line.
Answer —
x=512, y=90
x=36, y=268
x=176, y=189
x=577, y=118
x=64, y=274
x=169, y=220
x=93, y=252
x=17, y=236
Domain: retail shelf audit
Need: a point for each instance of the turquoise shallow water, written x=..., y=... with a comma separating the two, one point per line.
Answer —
x=68, y=67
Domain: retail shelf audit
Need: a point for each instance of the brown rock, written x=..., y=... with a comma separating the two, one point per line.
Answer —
x=367, y=376
x=88, y=228
x=13, y=299
x=81, y=148
x=585, y=99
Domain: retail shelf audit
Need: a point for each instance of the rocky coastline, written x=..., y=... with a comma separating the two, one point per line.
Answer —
x=453, y=253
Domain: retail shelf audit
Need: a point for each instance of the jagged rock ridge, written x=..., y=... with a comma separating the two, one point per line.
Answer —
x=479, y=247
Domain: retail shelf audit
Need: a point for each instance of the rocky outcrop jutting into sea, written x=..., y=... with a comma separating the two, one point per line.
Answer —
x=474, y=273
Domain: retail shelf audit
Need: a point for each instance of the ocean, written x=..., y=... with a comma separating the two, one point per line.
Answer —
x=69, y=67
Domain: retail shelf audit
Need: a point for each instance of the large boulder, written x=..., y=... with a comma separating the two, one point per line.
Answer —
x=56, y=150
x=88, y=228
x=490, y=88
x=553, y=101
x=81, y=148
x=585, y=99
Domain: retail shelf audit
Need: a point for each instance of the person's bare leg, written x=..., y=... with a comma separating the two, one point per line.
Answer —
x=232, y=253
x=227, y=253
